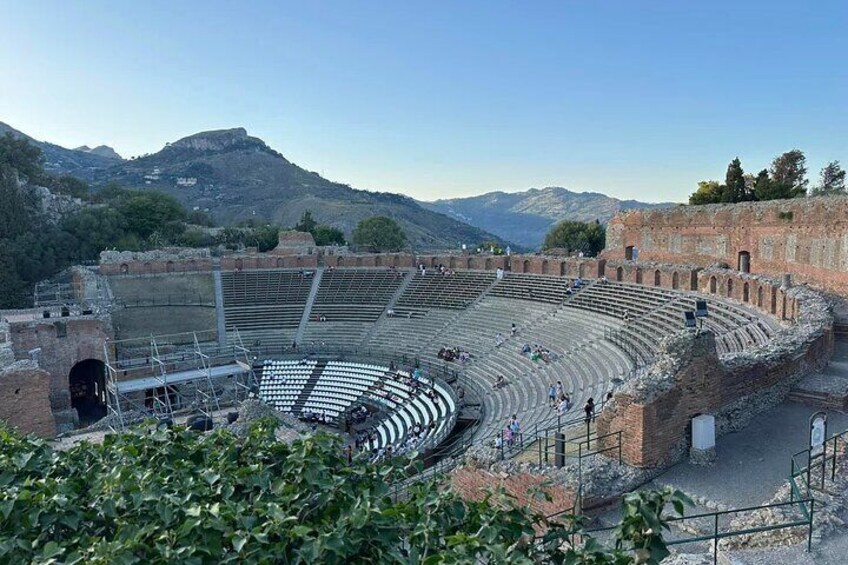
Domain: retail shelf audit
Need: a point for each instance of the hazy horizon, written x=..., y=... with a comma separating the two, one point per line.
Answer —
x=636, y=102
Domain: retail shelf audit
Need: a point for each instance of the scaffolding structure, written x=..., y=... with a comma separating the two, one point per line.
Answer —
x=181, y=375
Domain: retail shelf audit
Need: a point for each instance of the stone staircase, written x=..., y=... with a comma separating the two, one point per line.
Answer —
x=827, y=389
x=309, y=386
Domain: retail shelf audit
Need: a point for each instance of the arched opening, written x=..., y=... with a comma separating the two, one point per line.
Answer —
x=395, y=261
x=745, y=293
x=452, y=263
x=239, y=264
x=281, y=262
x=433, y=262
x=713, y=284
x=744, y=263
x=638, y=275
x=358, y=261
x=760, y=297
x=581, y=271
x=628, y=253
x=125, y=268
x=619, y=274
x=730, y=288
x=563, y=269
x=526, y=266
x=675, y=280
x=469, y=263
x=657, y=278
x=545, y=267
x=774, y=300
x=488, y=264
x=169, y=267
x=87, y=384
x=378, y=260
x=339, y=261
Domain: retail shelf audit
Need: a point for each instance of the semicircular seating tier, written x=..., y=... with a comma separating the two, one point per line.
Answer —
x=594, y=335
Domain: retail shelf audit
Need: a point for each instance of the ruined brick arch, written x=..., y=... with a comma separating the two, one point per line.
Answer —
x=545, y=267
x=469, y=263
x=395, y=261
x=581, y=270
x=488, y=263
x=148, y=268
x=433, y=262
x=693, y=281
x=339, y=261
x=628, y=253
x=282, y=262
x=746, y=296
x=675, y=280
x=169, y=267
x=744, y=262
x=525, y=266
x=563, y=269
x=378, y=261
x=619, y=274
x=759, y=297
x=657, y=277
x=774, y=300
x=125, y=268
x=638, y=275
x=730, y=288
x=87, y=385
x=452, y=263
x=713, y=285
x=358, y=261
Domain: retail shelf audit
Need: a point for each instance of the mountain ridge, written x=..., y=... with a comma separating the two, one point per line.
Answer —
x=238, y=177
x=526, y=216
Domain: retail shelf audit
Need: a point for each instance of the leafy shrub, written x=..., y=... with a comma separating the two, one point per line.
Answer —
x=176, y=496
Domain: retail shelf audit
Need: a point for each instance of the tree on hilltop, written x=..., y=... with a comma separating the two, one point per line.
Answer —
x=379, y=233
x=789, y=175
x=709, y=192
x=588, y=237
x=734, y=189
x=307, y=223
x=832, y=180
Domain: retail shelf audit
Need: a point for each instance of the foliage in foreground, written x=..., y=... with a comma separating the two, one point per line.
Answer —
x=174, y=496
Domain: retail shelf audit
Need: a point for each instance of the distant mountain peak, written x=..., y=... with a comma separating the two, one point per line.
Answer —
x=101, y=150
x=219, y=140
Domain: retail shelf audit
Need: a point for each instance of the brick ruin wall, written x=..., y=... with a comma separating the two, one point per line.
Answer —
x=63, y=343
x=654, y=410
x=807, y=237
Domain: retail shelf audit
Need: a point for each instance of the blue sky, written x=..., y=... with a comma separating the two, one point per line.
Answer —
x=444, y=99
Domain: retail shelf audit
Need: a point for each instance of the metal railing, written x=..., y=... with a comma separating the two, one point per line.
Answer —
x=719, y=527
x=812, y=470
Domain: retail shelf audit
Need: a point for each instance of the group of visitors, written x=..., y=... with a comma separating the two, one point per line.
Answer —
x=537, y=353
x=511, y=434
x=454, y=354
x=316, y=417
x=558, y=398
x=359, y=414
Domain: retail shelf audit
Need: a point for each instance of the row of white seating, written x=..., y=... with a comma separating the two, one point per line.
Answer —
x=341, y=384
